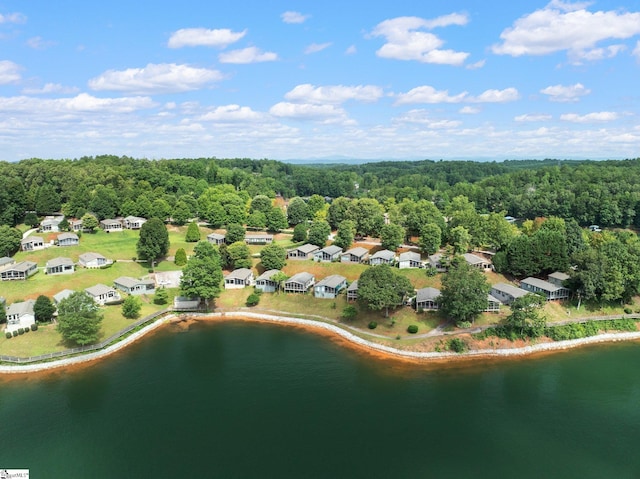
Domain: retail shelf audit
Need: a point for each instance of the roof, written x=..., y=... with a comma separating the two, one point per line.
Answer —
x=24, y=307
x=353, y=286
x=64, y=236
x=473, y=259
x=51, y=221
x=59, y=261
x=32, y=239
x=331, y=250
x=64, y=294
x=306, y=248
x=99, y=289
x=493, y=299
x=264, y=235
x=359, y=251
x=6, y=260
x=542, y=284
x=110, y=222
x=215, y=236
x=90, y=256
x=509, y=289
x=303, y=277
x=22, y=266
x=240, y=273
x=409, y=256
x=134, y=218
x=559, y=276
x=267, y=275
x=427, y=294
x=332, y=281
x=128, y=281
x=384, y=254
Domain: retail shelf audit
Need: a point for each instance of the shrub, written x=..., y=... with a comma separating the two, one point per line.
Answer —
x=457, y=345
x=8, y=335
x=349, y=312
x=150, y=270
x=34, y=327
x=628, y=311
x=253, y=299
x=15, y=333
x=464, y=324
x=161, y=296
x=412, y=329
x=21, y=331
x=26, y=330
x=372, y=325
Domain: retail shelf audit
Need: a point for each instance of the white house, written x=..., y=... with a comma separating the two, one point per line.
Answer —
x=20, y=315
x=265, y=283
x=60, y=265
x=93, y=260
x=51, y=224
x=477, y=262
x=352, y=291
x=110, y=225
x=330, y=253
x=384, y=256
x=64, y=294
x=238, y=279
x=550, y=290
x=306, y=251
x=216, y=238
x=134, y=286
x=506, y=293
x=133, y=222
x=103, y=294
x=68, y=239
x=427, y=299
x=258, y=239
x=409, y=259
x=32, y=243
x=558, y=278
x=439, y=262
x=355, y=255
x=17, y=271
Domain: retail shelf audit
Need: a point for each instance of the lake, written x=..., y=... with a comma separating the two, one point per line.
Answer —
x=246, y=400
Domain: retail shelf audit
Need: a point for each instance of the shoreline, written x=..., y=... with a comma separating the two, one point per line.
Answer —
x=334, y=333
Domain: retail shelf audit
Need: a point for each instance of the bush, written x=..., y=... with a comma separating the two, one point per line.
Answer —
x=21, y=331
x=628, y=311
x=372, y=325
x=253, y=299
x=464, y=324
x=26, y=330
x=457, y=345
x=15, y=333
x=150, y=270
x=8, y=335
x=161, y=296
x=34, y=327
x=349, y=312
x=412, y=329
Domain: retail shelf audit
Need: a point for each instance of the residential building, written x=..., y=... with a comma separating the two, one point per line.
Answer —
x=299, y=283
x=558, y=278
x=506, y=293
x=216, y=238
x=409, y=259
x=477, y=262
x=32, y=243
x=439, y=261
x=134, y=286
x=427, y=299
x=20, y=315
x=355, y=255
x=6, y=261
x=258, y=238
x=306, y=251
x=51, y=224
x=18, y=271
x=493, y=304
x=384, y=256
x=330, y=287
x=550, y=290
x=239, y=278
x=68, y=239
x=352, y=291
x=110, y=225
x=328, y=254
x=64, y=294
x=103, y=294
x=75, y=225
x=93, y=260
x=133, y=222
x=265, y=283
x=60, y=265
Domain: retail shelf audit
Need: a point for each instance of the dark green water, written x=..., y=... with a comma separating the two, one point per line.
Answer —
x=258, y=401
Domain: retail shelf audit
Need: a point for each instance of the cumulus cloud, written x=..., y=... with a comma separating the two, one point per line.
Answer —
x=600, y=116
x=333, y=94
x=407, y=40
x=156, y=78
x=80, y=103
x=12, y=18
x=9, y=72
x=476, y=65
x=50, y=88
x=469, y=110
x=561, y=93
x=247, y=55
x=232, y=113
x=294, y=17
x=351, y=50
x=422, y=117
x=428, y=94
x=38, y=43
x=306, y=111
x=532, y=117
x=496, y=96
x=195, y=37
x=565, y=26
x=316, y=47
x=636, y=50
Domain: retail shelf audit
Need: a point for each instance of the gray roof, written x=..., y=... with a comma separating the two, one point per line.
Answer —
x=5, y=260
x=129, y=282
x=267, y=274
x=427, y=294
x=542, y=284
x=332, y=281
x=303, y=278
x=493, y=299
x=32, y=239
x=24, y=307
x=64, y=236
x=64, y=294
x=134, y=218
x=217, y=236
x=409, y=256
x=384, y=254
x=264, y=235
x=240, y=273
x=560, y=276
x=474, y=259
x=110, y=222
x=90, y=256
x=306, y=248
x=98, y=289
x=59, y=261
x=331, y=250
x=359, y=251
x=509, y=289
x=22, y=266
x=51, y=221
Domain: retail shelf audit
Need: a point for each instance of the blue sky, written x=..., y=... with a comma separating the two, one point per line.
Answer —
x=308, y=80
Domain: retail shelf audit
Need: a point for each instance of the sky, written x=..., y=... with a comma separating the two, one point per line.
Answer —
x=298, y=80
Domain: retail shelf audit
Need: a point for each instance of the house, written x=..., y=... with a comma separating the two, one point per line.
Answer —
x=134, y=286
x=32, y=243
x=478, y=262
x=299, y=283
x=64, y=294
x=355, y=255
x=264, y=282
x=68, y=239
x=352, y=291
x=409, y=259
x=558, y=278
x=20, y=315
x=216, y=238
x=306, y=251
x=133, y=222
x=330, y=287
x=75, y=225
x=550, y=290
x=384, y=256
x=427, y=299
x=17, y=271
x=6, y=261
x=110, y=225
x=103, y=294
x=258, y=239
x=51, y=224
x=93, y=260
x=59, y=265
x=506, y=293
x=239, y=278
x=439, y=262
x=493, y=304
x=330, y=253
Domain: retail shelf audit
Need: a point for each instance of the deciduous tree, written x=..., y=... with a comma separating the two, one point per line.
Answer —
x=273, y=256
x=153, y=242
x=235, y=233
x=345, y=234
x=43, y=308
x=391, y=236
x=9, y=240
x=381, y=287
x=318, y=233
x=193, y=233
x=79, y=319
x=464, y=292
x=239, y=255
x=131, y=307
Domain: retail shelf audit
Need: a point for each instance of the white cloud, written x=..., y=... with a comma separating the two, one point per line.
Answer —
x=12, y=18
x=476, y=65
x=561, y=93
x=306, y=111
x=294, y=17
x=9, y=72
x=333, y=94
x=37, y=43
x=156, y=78
x=497, y=96
x=590, y=117
x=194, y=37
x=636, y=50
x=247, y=55
x=469, y=110
x=50, y=88
x=533, y=117
x=564, y=26
x=428, y=94
x=422, y=117
x=351, y=50
x=316, y=47
x=232, y=113
x=80, y=103
x=406, y=39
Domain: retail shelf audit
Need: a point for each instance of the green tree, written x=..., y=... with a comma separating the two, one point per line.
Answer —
x=31, y=219
x=3, y=313
x=43, y=308
x=257, y=220
x=276, y=220
x=131, y=307
x=79, y=319
x=239, y=255
x=104, y=202
x=47, y=200
x=339, y=211
x=279, y=278
x=316, y=203
x=297, y=211
x=345, y=234
x=181, y=213
x=89, y=223
x=525, y=315
x=273, y=256
x=153, y=242
x=318, y=233
x=64, y=225
x=430, y=238
x=161, y=296
x=299, y=233
x=160, y=208
x=193, y=233
x=181, y=257
x=260, y=203
x=235, y=233
x=202, y=276
x=381, y=287
x=349, y=312
x=9, y=240
x=460, y=239
x=464, y=292
x=391, y=236
x=367, y=213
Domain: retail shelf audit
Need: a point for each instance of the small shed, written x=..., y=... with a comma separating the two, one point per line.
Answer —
x=216, y=238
